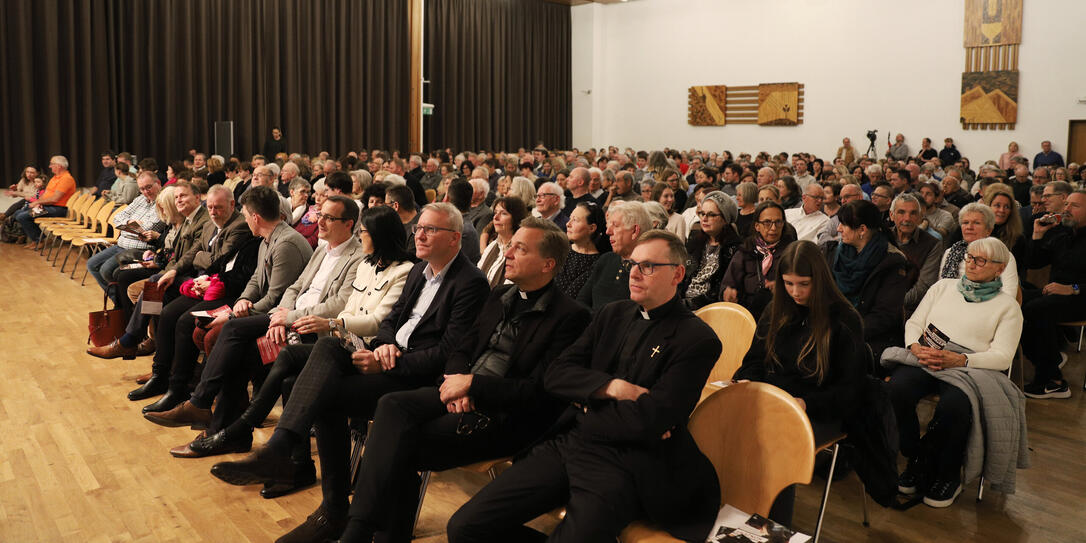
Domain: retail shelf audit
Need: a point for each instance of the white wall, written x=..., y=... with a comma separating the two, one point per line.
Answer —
x=891, y=66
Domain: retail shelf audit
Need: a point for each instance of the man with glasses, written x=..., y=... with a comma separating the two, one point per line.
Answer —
x=849, y=193
x=441, y=299
x=103, y=265
x=321, y=290
x=808, y=219
x=620, y=451
x=491, y=403
x=1054, y=196
x=550, y=200
x=1062, y=245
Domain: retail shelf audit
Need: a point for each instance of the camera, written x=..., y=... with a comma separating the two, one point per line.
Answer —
x=872, y=135
x=1052, y=218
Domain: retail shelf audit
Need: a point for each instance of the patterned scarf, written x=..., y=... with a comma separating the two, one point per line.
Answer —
x=979, y=292
x=954, y=260
x=767, y=254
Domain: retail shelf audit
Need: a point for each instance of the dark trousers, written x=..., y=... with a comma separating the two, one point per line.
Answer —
x=412, y=431
x=30, y=228
x=175, y=352
x=227, y=369
x=1040, y=333
x=288, y=364
x=588, y=479
x=125, y=278
x=949, y=427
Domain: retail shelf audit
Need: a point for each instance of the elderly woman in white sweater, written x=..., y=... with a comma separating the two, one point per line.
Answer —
x=970, y=322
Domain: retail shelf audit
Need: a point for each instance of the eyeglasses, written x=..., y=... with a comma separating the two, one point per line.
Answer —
x=542, y=195
x=466, y=427
x=708, y=215
x=322, y=216
x=771, y=224
x=646, y=268
x=429, y=230
x=979, y=261
x=819, y=197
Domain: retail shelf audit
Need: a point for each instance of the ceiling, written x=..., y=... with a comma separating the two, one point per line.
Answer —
x=583, y=2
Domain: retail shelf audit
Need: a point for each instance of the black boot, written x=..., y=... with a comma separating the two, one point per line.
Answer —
x=154, y=386
x=305, y=475
x=168, y=401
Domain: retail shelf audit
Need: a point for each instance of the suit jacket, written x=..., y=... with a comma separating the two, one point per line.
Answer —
x=676, y=484
x=199, y=257
x=444, y=325
x=281, y=259
x=373, y=294
x=554, y=323
x=188, y=237
x=336, y=290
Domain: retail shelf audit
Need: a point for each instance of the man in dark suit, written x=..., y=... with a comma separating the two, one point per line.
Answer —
x=621, y=450
x=443, y=294
x=490, y=405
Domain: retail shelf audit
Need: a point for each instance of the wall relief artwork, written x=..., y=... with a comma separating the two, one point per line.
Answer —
x=706, y=105
x=989, y=97
x=778, y=104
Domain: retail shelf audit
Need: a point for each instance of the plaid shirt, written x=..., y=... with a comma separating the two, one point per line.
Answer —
x=142, y=211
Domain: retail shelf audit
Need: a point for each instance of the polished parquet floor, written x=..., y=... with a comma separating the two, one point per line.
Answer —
x=79, y=463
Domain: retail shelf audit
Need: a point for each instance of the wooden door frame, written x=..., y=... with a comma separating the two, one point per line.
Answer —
x=1070, y=131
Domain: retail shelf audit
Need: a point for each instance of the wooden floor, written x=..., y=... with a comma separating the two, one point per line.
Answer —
x=79, y=463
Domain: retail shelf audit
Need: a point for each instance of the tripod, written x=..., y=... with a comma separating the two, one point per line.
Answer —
x=871, y=152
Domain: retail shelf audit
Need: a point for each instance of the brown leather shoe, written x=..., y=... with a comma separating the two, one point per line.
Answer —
x=143, y=378
x=146, y=347
x=185, y=414
x=113, y=350
x=184, y=451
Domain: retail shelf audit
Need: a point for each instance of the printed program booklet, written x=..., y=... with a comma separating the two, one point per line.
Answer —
x=735, y=526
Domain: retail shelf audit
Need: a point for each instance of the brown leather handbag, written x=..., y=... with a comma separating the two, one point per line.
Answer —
x=105, y=325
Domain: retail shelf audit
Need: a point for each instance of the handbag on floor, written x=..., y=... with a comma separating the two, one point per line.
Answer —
x=105, y=325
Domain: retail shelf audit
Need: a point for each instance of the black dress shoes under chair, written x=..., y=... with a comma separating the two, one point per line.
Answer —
x=154, y=386
x=262, y=466
x=216, y=444
x=169, y=400
x=305, y=476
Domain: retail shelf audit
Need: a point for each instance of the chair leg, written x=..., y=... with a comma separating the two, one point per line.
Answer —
x=863, y=497
x=359, y=439
x=66, y=256
x=424, y=480
x=980, y=489
x=826, y=493
x=1081, y=329
x=75, y=264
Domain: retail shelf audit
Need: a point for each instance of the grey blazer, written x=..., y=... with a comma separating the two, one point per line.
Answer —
x=336, y=291
x=188, y=237
x=281, y=259
x=199, y=257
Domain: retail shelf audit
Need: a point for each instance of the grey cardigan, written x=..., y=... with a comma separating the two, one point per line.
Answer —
x=998, y=443
x=336, y=291
x=281, y=259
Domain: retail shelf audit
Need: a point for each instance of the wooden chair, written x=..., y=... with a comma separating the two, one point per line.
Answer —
x=85, y=218
x=90, y=243
x=759, y=440
x=734, y=326
x=98, y=226
x=489, y=467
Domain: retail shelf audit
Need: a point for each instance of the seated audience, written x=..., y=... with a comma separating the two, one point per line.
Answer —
x=550, y=201
x=789, y=192
x=746, y=198
x=459, y=195
x=939, y=215
x=124, y=188
x=1058, y=241
x=507, y=216
x=321, y=290
x=442, y=295
x=663, y=194
x=587, y=233
x=52, y=203
x=299, y=197
x=523, y=188
x=620, y=451
x=609, y=280
x=977, y=222
x=750, y=275
x=104, y=264
x=711, y=249
x=871, y=273
x=306, y=225
x=480, y=213
x=968, y=324
x=1008, y=223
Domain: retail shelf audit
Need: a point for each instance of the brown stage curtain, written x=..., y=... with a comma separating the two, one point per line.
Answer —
x=499, y=73
x=152, y=77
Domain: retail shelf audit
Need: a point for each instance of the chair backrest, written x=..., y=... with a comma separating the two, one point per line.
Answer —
x=82, y=201
x=109, y=223
x=734, y=325
x=759, y=441
x=92, y=211
x=101, y=221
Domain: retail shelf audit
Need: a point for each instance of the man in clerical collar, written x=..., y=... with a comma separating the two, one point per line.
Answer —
x=620, y=451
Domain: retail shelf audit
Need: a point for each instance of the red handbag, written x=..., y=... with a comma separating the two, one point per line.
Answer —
x=105, y=325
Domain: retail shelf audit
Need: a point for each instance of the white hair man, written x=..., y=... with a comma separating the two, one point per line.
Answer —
x=550, y=200
x=808, y=219
x=479, y=214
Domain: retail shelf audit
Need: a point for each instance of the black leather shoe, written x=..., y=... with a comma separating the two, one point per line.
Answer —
x=305, y=475
x=320, y=526
x=154, y=386
x=218, y=444
x=262, y=466
x=168, y=401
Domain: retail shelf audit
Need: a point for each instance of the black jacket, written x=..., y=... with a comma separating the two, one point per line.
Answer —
x=695, y=247
x=882, y=299
x=676, y=484
x=444, y=325
x=544, y=333
x=1065, y=249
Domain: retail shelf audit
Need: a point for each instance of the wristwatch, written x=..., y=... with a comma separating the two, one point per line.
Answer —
x=1074, y=289
x=331, y=324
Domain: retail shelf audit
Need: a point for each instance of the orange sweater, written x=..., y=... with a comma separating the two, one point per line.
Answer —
x=62, y=185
